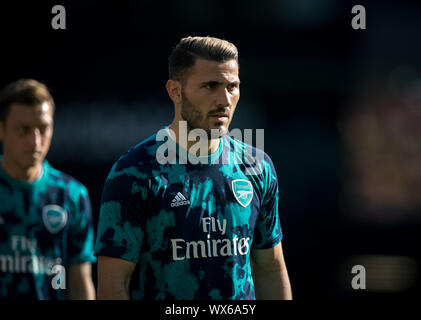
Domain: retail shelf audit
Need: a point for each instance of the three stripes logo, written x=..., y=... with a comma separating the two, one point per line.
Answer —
x=179, y=200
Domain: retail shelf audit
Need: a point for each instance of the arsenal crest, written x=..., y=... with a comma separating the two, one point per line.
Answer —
x=243, y=191
x=54, y=218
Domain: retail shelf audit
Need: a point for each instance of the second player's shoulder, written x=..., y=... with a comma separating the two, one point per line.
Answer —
x=57, y=179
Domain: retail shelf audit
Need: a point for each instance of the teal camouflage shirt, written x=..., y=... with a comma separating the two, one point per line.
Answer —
x=188, y=226
x=42, y=224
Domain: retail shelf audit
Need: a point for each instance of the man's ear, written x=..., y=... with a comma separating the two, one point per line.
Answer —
x=174, y=91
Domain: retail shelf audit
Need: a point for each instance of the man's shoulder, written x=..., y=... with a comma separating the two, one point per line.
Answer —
x=58, y=179
x=249, y=155
x=137, y=160
x=238, y=145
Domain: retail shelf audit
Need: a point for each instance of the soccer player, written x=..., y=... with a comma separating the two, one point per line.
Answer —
x=46, y=234
x=190, y=229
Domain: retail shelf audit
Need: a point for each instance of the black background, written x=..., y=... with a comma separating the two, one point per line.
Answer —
x=301, y=66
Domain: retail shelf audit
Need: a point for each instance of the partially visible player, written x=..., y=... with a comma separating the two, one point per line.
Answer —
x=187, y=229
x=46, y=234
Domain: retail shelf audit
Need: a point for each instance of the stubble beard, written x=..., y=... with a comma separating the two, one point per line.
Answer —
x=194, y=118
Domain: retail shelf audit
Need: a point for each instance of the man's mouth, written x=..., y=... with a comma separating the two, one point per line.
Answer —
x=34, y=154
x=221, y=116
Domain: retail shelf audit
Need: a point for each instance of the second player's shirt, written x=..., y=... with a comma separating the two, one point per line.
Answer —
x=189, y=227
x=43, y=224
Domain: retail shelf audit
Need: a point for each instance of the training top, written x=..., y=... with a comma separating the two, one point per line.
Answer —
x=189, y=223
x=42, y=224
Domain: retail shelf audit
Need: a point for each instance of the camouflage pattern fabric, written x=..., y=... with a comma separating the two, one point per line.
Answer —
x=189, y=228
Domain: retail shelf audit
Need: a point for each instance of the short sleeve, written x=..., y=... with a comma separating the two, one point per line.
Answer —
x=268, y=232
x=120, y=232
x=81, y=233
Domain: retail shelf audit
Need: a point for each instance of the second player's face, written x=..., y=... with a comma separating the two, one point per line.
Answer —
x=27, y=134
x=210, y=95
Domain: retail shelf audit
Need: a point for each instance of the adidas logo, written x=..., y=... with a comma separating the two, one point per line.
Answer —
x=179, y=200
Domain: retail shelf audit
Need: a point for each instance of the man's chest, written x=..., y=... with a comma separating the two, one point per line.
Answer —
x=203, y=206
x=31, y=221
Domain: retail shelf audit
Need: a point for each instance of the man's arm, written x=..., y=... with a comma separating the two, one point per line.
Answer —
x=270, y=274
x=114, y=277
x=80, y=285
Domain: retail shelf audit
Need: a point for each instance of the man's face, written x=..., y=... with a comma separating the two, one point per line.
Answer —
x=210, y=95
x=27, y=133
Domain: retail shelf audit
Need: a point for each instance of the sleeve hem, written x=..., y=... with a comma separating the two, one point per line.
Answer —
x=270, y=244
x=83, y=259
x=111, y=254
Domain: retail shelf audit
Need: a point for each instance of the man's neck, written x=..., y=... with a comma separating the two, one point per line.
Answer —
x=181, y=133
x=29, y=174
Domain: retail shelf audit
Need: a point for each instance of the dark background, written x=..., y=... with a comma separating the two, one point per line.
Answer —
x=304, y=72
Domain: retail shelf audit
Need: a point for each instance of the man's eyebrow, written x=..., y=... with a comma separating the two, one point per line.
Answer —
x=215, y=82
x=211, y=82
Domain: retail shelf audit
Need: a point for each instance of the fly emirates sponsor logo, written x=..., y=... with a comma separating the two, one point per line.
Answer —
x=24, y=258
x=208, y=248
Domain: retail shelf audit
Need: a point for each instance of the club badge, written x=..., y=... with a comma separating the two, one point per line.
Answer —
x=54, y=218
x=243, y=191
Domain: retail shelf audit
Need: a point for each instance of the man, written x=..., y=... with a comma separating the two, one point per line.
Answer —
x=189, y=229
x=46, y=234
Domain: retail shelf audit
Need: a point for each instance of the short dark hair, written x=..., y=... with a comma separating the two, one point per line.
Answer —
x=24, y=91
x=184, y=55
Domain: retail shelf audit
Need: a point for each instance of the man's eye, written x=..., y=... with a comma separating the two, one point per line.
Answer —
x=210, y=85
x=23, y=130
x=43, y=129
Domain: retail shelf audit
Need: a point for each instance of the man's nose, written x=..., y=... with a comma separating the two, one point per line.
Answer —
x=34, y=139
x=224, y=98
